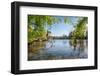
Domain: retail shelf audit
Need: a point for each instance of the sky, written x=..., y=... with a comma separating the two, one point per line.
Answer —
x=60, y=29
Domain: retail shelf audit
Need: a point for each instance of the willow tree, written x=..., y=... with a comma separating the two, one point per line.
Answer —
x=80, y=28
x=38, y=26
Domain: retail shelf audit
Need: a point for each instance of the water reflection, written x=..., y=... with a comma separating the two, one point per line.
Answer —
x=57, y=49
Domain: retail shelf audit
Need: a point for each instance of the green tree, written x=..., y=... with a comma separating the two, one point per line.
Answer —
x=38, y=26
x=80, y=28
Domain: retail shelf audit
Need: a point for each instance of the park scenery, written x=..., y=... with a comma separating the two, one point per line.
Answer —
x=57, y=37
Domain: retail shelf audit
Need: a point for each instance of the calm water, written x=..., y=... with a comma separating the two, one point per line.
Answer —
x=58, y=49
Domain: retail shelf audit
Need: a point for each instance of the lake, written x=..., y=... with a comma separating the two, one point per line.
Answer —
x=58, y=49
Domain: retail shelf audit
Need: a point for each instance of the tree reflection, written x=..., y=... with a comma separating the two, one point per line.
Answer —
x=35, y=46
x=73, y=43
x=77, y=44
x=57, y=49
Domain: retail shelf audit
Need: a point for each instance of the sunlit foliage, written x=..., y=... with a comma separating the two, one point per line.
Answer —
x=80, y=29
x=38, y=26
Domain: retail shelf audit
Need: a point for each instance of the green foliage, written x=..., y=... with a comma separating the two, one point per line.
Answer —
x=37, y=26
x=80, y=29
x=67, y=20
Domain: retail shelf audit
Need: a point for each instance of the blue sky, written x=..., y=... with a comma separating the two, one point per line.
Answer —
x=59, y=29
